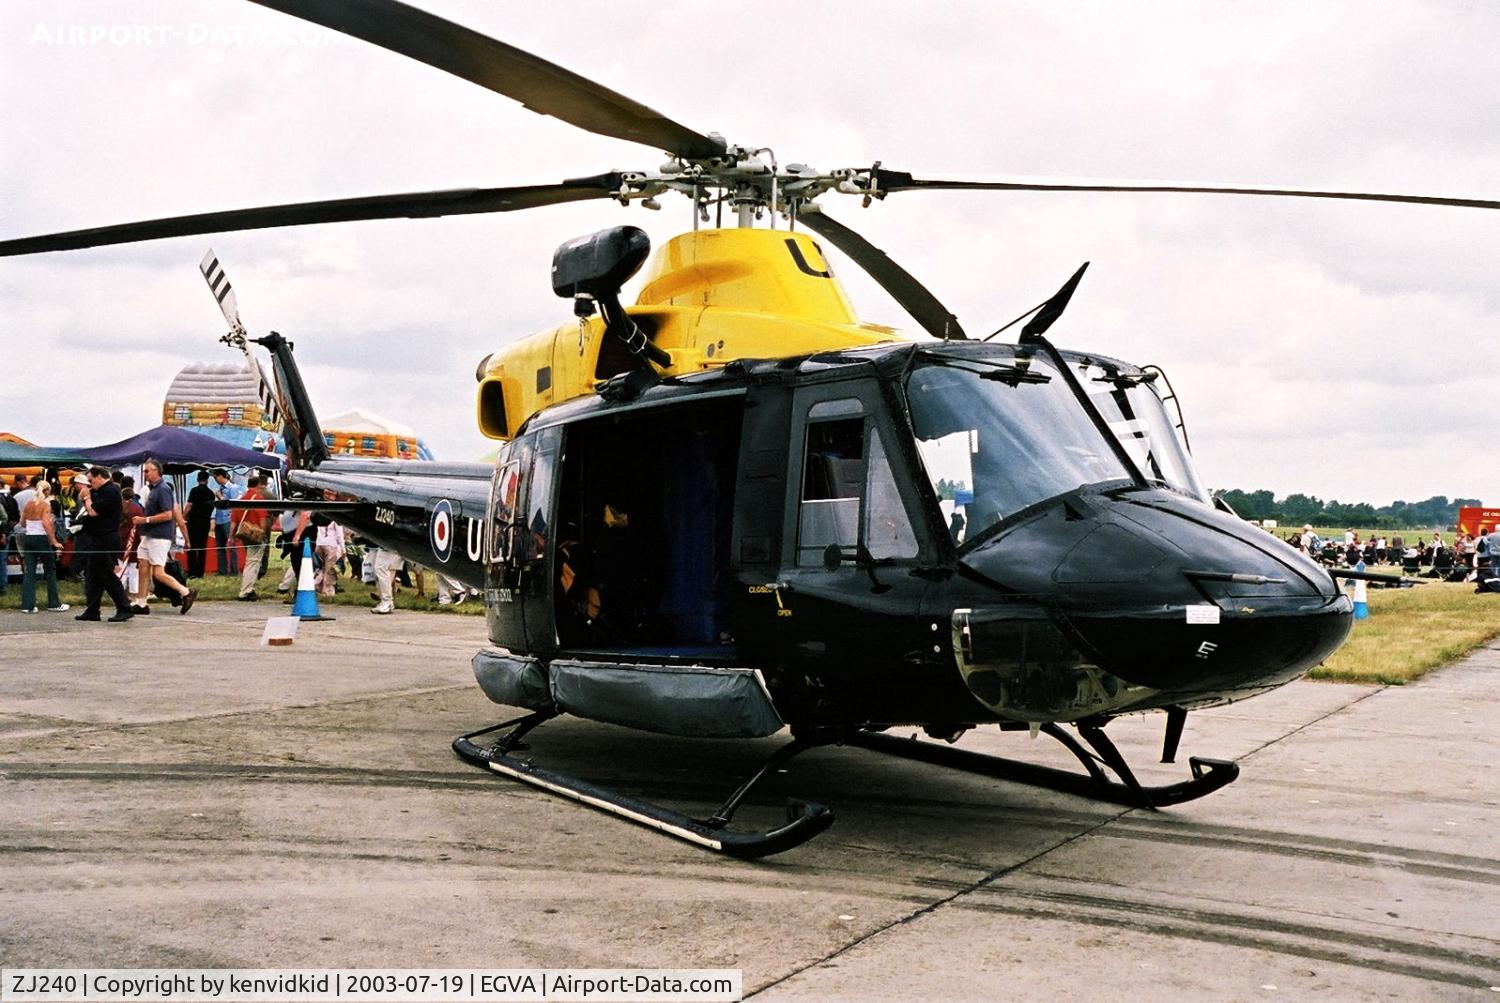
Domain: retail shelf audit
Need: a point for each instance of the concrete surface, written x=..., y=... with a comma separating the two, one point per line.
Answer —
x=175, y=795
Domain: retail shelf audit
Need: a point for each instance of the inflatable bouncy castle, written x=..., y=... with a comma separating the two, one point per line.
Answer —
x=362, y=433
x=221, y=399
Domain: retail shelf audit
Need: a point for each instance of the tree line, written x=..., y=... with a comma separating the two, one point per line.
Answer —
x=1437, y=512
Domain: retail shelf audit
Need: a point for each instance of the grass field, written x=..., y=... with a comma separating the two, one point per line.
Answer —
x=1410, y=632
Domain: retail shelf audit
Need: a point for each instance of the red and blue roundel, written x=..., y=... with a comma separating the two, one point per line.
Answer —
x=440, y=530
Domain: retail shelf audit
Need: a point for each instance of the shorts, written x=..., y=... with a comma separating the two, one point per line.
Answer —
x=156, y=551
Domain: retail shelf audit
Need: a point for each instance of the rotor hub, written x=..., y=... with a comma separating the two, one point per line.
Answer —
x=751, y=181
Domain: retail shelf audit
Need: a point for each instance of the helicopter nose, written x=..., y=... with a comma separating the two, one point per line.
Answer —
x=1224, y=610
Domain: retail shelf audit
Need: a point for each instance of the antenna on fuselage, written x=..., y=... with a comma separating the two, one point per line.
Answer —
x=1052, y=309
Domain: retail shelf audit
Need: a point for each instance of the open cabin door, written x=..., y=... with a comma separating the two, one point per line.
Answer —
x=641, y=566
x=518, y=591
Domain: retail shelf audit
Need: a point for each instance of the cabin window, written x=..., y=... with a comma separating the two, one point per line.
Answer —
x=505, y=493
x=535, y=533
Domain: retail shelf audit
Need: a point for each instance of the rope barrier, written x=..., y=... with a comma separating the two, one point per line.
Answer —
x=120, y=550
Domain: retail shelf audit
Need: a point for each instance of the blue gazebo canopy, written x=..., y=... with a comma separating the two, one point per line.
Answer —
x=176, y=448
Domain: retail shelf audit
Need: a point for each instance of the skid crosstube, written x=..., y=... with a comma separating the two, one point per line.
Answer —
x=805, y=819
x=1208, y=774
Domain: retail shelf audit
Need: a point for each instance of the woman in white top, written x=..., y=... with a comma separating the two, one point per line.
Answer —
x=39, y=545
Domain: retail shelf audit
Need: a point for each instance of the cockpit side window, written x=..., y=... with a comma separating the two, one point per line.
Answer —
x=833, y=478
x=849, y=493
x=888, y=528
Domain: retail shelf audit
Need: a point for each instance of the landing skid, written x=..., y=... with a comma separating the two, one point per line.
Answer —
x=1208, y=774
x=804, y=819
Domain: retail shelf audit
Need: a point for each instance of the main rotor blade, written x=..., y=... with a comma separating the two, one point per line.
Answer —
x=896, y=181
x=904, y=288
x=544, y=87
x=454, y=202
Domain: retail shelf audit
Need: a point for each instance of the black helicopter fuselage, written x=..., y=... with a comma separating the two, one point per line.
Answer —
x=934, y=535
x=942, y=534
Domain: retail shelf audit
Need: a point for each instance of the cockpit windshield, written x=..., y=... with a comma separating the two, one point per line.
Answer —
x=999, y=434
x=1130, y=401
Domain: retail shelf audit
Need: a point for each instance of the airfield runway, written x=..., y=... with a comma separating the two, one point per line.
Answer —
x=175, y=795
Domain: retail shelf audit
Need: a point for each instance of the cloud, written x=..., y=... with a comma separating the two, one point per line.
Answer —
x=1331, y=348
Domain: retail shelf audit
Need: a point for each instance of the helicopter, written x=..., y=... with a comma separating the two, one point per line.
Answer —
x=732, y=508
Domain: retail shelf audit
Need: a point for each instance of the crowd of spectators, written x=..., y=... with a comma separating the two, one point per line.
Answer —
x=1451, y=557
x=119, y=542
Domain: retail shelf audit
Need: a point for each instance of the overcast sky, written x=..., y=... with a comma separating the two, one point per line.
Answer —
x=1337, y=349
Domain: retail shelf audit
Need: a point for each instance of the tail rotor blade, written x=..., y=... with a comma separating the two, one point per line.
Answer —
x=223, y=292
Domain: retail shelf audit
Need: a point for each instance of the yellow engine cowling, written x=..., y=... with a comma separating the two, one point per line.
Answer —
x=709, y=297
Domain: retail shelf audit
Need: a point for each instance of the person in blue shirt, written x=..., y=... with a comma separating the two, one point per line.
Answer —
x=158, y=526
x=1492, y=551
x=228, y=554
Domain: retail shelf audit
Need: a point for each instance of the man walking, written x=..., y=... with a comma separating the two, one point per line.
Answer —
x=157, y=527
x=255, y=551
x=99, y=541
x=200, y=516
